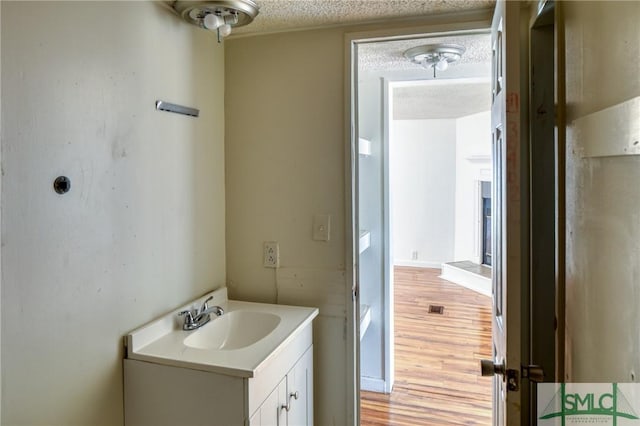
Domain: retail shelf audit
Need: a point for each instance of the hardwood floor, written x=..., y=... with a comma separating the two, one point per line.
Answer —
x=437, y=380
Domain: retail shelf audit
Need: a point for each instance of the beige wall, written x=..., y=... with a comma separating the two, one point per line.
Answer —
x=285, y=162
x=603, y=230
x=142, y=229
x=284, y=154
x=596, y=28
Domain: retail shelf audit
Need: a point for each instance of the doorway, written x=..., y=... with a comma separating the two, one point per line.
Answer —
x=422, y=176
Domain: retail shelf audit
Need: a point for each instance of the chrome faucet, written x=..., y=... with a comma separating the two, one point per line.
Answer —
x=199, y=317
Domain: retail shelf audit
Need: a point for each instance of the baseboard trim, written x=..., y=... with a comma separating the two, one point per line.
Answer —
x=372, y=384
x=418, y=264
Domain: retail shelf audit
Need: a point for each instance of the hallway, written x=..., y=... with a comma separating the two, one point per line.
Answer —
x=437, y=356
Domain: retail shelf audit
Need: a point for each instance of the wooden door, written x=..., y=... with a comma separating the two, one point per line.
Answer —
x=509, y=218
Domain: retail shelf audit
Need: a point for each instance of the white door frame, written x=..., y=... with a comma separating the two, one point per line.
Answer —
x=387, y=281
x=470, y=22
x=385, y=384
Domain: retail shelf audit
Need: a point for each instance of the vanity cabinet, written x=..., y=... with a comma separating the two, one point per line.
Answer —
x=167, y=395
x=291, y=402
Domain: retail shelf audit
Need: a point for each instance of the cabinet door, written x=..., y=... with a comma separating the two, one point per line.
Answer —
x=300, y=391
x=272, y=412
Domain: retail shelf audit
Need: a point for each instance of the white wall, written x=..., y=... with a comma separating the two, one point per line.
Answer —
x=438, y=160
x=142, y=229
x=603, y=225
x=473, y=164
x=422, y=167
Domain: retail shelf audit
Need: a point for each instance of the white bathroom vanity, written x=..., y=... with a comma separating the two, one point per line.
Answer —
x=252, y=365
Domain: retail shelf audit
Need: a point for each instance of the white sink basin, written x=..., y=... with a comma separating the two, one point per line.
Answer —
x=233, y=330
x=238, y=343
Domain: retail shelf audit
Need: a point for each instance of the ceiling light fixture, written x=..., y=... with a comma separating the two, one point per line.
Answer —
x=436, y=56
x=219, y=16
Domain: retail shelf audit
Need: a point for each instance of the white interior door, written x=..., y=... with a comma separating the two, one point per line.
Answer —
x=509, y=219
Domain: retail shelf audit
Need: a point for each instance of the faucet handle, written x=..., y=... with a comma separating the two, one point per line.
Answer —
x=188, y=317
x=205, y=305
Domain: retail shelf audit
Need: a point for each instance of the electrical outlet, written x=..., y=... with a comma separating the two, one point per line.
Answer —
x=271, y=253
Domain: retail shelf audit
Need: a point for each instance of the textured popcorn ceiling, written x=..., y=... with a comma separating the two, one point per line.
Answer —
x=461, y=90
x=286, y=15
x=390, y=54
x=452, y=100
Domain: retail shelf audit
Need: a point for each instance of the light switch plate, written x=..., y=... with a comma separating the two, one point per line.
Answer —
x=321, y=227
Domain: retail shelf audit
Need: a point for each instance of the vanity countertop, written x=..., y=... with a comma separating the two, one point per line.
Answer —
x=162, y=341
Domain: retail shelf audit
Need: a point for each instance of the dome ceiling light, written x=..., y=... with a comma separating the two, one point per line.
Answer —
x=436, y=56
x=219, y=16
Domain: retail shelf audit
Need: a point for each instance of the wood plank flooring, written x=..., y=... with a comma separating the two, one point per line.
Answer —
x=437, y=380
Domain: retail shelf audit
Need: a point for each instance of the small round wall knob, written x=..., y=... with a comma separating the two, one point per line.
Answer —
x=62, y=184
